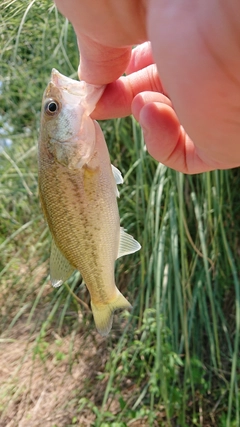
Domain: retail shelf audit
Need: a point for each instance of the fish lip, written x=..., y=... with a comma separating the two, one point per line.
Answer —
x=74, y=87
x=60, y=80
x=67, y=84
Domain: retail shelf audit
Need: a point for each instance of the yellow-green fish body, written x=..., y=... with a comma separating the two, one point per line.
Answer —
x=78, y=190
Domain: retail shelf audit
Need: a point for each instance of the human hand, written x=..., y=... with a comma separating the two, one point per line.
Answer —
x=197, y=54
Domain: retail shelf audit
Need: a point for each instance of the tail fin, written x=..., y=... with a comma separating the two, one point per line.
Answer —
x=103, y=314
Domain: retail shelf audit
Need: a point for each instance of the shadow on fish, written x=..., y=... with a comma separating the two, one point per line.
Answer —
x=78, y=193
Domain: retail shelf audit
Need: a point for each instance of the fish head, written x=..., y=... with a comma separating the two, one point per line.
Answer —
x=67, y=129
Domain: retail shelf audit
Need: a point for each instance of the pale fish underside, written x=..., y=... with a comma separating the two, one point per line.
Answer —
x=78, y=191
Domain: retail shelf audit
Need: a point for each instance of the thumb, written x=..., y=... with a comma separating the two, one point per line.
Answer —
x=101, y=64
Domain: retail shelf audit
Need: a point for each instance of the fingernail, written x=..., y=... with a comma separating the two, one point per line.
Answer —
x=137, y=106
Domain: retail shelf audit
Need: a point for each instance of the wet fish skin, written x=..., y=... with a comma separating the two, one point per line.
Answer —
x=78, y=195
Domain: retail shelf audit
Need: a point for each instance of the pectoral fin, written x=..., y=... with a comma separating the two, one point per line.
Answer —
x=117, y=177
x=60, y=268
x=128, y=245
x=103, y=314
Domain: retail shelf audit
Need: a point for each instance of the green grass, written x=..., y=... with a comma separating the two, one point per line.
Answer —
x=175, y=359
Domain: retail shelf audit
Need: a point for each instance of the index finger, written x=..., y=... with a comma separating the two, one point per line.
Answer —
x=141, y=57
x=117, y=98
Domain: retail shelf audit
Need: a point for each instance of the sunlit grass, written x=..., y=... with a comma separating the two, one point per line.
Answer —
x=175, y=358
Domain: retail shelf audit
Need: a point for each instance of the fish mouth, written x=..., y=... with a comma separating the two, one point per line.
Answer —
x=67, y=84
x=77, y=92
x=75, y=87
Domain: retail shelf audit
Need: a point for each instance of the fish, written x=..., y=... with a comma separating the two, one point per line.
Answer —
x=78, y=194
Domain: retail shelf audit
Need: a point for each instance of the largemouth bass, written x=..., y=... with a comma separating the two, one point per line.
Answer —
x=78, y=194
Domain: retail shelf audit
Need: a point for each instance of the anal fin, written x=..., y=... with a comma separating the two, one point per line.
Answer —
x=127, y=245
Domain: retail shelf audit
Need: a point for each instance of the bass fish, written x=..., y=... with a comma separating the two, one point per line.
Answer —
x=78, y=193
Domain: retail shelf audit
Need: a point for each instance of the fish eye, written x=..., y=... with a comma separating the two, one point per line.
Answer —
x=51, y=107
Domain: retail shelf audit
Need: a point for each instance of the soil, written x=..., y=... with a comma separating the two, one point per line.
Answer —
x=46, y=389
x=53, y=381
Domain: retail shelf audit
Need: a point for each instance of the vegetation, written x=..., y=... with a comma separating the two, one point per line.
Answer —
x=173, y=361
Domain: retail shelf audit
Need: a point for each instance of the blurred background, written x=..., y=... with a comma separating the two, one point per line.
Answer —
x=174, y=360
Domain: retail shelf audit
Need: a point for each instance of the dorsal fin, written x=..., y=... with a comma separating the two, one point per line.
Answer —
x=60, y=268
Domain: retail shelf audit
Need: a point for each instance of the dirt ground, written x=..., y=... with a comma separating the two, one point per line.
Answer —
x=44, y=384
x=45, y=390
